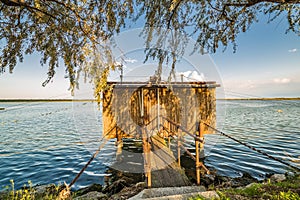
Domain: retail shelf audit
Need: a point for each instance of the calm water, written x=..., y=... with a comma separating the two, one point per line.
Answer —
x=51, y=142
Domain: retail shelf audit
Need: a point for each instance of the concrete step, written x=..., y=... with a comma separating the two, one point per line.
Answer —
x=207, y=195
x=174, y=193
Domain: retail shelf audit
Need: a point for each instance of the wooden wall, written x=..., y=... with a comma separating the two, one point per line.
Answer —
x=128, y=108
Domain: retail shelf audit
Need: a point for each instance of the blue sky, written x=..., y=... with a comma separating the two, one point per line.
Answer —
x=266, y=64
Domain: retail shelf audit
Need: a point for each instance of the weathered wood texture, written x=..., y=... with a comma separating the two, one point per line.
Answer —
x=127, y=108
x=166, y=172
x=152, y=113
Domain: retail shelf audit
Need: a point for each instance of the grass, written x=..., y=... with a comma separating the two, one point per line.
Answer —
x=285, y=190
x=28, y=192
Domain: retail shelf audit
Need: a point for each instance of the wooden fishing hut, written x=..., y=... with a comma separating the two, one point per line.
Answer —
x=158, y=113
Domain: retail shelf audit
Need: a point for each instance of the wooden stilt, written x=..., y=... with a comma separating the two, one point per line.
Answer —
x=178, y=147
x=199, y=151
x=149, y=181
x=147, y=158
x=197, y=162
x=158, y=109
x=201, y=135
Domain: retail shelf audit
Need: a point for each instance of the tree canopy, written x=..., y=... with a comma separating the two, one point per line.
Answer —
x=76, y=32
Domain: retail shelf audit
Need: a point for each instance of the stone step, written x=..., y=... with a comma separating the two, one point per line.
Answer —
x=174, y=193
x=206, y=195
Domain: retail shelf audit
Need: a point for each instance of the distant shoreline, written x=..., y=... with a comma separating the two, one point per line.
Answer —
x=262, y=99
x=92, y=100
x=46, y=100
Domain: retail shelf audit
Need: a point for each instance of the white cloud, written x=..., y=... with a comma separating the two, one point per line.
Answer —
x=282, y=80
x=190, y=76
x=293, y=50
x=241, y=84
x=129, y=60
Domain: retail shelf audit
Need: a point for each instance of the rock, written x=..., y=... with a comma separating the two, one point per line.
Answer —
x=94, y=195
x=278, y=177
x=249, y=185
x=140, y=185
x=209, y=195
x=44, y=190
x=290, y=174
x=91, y=188
x=168, y=191
x=41, y=189
x=129, y=192
x=4, y=194
x=208, y=179
x=115, y=187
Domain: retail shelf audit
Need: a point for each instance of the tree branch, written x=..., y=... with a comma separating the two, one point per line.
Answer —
x=223, y=12
x=173, y=12
x=13, y=2
x=250, y=3
x=19, y=3
x=79, y=19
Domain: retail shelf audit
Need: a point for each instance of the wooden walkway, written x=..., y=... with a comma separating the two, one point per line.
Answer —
x=165, y=171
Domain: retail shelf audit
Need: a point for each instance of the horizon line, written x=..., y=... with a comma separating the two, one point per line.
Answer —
x=70, y=100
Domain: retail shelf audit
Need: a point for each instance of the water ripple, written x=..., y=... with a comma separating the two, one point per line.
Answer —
x=44, y=143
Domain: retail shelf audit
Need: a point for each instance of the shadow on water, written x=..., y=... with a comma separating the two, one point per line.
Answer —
x=55, y=152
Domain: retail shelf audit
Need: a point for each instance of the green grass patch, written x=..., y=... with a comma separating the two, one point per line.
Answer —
x=288, y=189
x=50, y=192
x=285, y=190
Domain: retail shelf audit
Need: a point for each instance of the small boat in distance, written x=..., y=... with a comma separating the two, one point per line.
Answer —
x=2, y=108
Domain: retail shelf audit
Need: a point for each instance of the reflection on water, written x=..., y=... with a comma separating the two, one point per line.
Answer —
x=51, y=142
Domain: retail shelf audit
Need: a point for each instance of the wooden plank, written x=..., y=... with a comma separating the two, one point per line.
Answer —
x=127, y=109
x=122, y=107
x=165, y=170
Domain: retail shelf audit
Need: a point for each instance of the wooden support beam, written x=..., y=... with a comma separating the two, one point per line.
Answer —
x=201, y=136
x=147, y=157
x=199, y=151
x=149, y=180
x=197, y=162
x=178, y=147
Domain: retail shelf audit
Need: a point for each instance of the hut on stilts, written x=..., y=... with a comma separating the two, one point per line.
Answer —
x=158, y=113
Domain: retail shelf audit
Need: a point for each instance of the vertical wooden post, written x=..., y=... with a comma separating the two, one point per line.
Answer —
x=158, y=109
x=197, y=162
x=169, y=141
x=169, y=132
x=199, y=150
x=178, y=146
x=147, y=157
x=201, y=135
